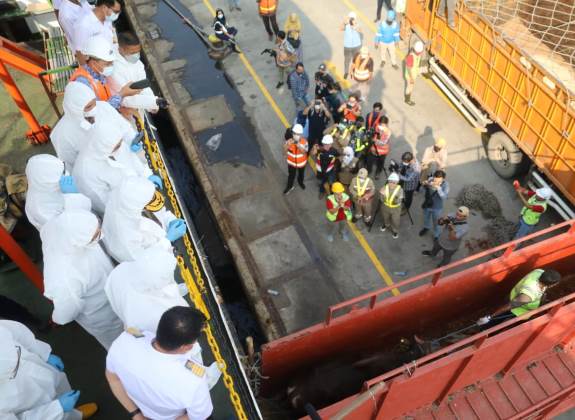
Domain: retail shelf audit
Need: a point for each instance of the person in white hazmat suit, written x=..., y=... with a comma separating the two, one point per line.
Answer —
x=81, y=111
x=105, y=162
x=50, y=190
x=33, y=385
x=75, y=272
x=136, y=219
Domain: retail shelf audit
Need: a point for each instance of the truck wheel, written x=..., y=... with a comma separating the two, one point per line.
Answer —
x=504, y=156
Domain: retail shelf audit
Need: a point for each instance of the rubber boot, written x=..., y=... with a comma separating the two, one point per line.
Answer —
x=87, y=410
x=408, y=100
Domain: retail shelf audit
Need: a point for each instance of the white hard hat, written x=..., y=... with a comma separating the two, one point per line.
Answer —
x=544, y=193
x=393, y=177
x=352, y=15
x=327, y=139
x=100, y=48
x=297, y=129
x=418, y=47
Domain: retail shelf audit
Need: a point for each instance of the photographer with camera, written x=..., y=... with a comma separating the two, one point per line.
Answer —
x=409, y=177
x=318, y=118
x=436, y=191
x=285, y=56
x=352, y=40
x=454, y=229
x=351, y=109
x=379, y=147
x=360, y=141
x=391, y=196
x=322, y=82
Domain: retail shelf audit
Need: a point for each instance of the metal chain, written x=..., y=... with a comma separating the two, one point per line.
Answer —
x=195, y=283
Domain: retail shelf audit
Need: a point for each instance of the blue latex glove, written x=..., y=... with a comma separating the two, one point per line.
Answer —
x=136, y=147
x=68, y=400
x=176, y=229
x=67, y=184
x=55, y=361
x=157, y=180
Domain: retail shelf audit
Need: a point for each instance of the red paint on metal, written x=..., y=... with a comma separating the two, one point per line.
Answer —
x=20, y=258
x=445, y=375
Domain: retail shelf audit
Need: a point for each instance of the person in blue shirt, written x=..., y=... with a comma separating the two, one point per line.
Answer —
x=352, y=40
x=387, y=38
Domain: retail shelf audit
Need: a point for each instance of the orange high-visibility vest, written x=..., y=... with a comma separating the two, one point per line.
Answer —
x=101, y=91
x=360, y=71
x=380, y=147
x=295, y=156
x=268, y=7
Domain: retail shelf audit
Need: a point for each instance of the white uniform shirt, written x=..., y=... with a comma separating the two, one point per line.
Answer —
x=69, y=14
x=158, y=383
x=87, y=26
x=126, y=72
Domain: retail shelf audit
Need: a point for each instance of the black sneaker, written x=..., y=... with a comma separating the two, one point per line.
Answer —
x=395, y=235
x=302, y=185
x=428, y=253
x=395, y=66
x=345, y=76
x=383, y=228
x=279, y=85
x=423, y=231
x=288, y=190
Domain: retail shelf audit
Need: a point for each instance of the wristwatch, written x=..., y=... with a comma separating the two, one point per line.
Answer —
x=134, y=413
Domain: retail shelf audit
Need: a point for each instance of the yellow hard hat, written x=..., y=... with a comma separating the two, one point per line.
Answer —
x=337, y=187
x=440, y=142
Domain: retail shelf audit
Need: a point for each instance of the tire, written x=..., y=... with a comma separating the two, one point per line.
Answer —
x=506, y=159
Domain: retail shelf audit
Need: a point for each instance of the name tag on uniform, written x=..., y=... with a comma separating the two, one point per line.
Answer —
x=134, y=332
x=195, y=368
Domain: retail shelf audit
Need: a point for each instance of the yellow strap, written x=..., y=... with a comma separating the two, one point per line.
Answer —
x=361, y=188
x=389, y=200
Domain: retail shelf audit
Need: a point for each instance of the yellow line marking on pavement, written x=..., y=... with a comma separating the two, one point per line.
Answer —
x=345, y=84
x=371, y=25
x=366, y=247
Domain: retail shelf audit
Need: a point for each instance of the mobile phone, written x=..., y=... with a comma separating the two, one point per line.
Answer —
x=141, y=84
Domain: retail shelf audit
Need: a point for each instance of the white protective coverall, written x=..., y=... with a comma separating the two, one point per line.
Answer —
x=75, y=273
x=126, y=72
x=72, y=132
x=44, y=199
x=96, y=172
x=33, y=393
x=126, y=231
x=141, y=291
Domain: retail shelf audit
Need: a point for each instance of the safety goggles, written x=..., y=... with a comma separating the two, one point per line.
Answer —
x=157, y=202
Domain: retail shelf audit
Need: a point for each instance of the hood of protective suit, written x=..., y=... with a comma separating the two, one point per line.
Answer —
x=8, y=355
x=71, y=231
x=157, y=266
x=107, y=131
x=76, y=97
x=44, y=173
x=132, y=195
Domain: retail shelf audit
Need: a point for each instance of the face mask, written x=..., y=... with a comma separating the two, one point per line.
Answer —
x=405, y=163
x=132, y=58
x=317, y=107
x=220, y=16
x=296, y=137
x=113, y=17
x=107, y=71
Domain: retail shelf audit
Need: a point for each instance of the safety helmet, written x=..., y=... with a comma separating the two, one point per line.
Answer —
x=418, y=47
x=327, y=139
x=156, y=203
x=100, y=48
x=337, y=187
x=393, y=177
x=544, y=193
x=352, y=15
x=390, y=15
x=440, y=142
x=297, y=129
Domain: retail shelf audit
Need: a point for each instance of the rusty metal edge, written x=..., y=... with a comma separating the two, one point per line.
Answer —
x=269, y=319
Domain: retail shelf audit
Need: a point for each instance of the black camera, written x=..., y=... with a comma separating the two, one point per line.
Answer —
x=270, y=52
x=393, y=166
x=450, y=221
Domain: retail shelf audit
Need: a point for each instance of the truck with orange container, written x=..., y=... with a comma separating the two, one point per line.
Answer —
x=508, y=67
